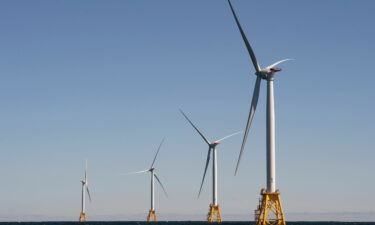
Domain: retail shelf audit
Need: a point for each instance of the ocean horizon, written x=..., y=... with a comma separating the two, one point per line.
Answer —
x=195, y=218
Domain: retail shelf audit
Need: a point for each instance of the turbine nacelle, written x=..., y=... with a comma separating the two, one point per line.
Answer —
x=151, y=170
x=268, y=73
x=275, y=70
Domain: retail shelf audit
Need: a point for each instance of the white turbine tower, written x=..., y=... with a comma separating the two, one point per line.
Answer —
x=214, y=214
x=152, y=214
x=85, y=187
x=270, y=210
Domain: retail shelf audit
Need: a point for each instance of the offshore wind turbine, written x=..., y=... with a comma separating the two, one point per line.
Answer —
x=152, y=214
x=214, y=214
x=85, y=188
x=270, y=210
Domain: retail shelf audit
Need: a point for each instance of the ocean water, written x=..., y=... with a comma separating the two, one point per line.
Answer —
x=178, y=223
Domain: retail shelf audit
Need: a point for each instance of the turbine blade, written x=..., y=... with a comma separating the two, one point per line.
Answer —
x=161, y=185
x=204, y=138
x=191, y=123
x=205, y=170
x=228, y=136
x=277, y=63
x=142, y=171
x=253, y=107
x=88, y=192
x=86, y=170
x=157, y=152
x=248, y=46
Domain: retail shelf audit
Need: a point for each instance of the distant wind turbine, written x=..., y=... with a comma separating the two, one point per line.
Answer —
x=214, y=214
x=152, y=214
x=85, y=187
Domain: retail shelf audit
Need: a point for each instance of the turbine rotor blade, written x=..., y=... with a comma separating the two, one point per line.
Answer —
x=253, y=107
x=157, y=178
x=277, y=63
x=86, y=171
x=157, y=152
x=191, y=123
x=142, y=171
x=248, y=46
x=88, y=192
x=228, y=136
x=205, y=169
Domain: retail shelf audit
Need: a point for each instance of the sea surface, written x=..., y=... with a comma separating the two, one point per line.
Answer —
x=178, y=223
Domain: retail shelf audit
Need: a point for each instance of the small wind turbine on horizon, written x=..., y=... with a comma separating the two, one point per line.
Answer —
x=152, y=214
x=270, y=210
x=214, y=214
x=85, y=187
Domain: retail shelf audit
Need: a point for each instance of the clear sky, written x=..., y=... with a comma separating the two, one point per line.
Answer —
x=103, y=80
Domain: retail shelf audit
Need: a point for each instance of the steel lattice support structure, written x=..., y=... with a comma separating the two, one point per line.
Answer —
x=82, y=217
x=214, y=215
x=270, y=209
x=152, y=216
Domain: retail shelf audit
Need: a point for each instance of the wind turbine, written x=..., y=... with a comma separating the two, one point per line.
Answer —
x=85, y=187
x=270, y=209
x=152, y=214
x=214, y=214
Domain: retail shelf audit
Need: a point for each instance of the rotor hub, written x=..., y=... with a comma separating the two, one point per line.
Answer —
x=266, y=75
x=262, y=74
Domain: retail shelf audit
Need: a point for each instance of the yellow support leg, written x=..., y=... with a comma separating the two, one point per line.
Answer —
x=214, y=215
x=152, y=216
x=82, y=217
x=270, y=210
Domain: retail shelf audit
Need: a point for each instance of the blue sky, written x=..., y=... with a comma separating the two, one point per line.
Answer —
x=103, y=80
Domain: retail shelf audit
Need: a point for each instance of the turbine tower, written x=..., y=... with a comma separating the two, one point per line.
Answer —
x=152, y=214
x=270, y=210
x=85, y=187
x=214, y=214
